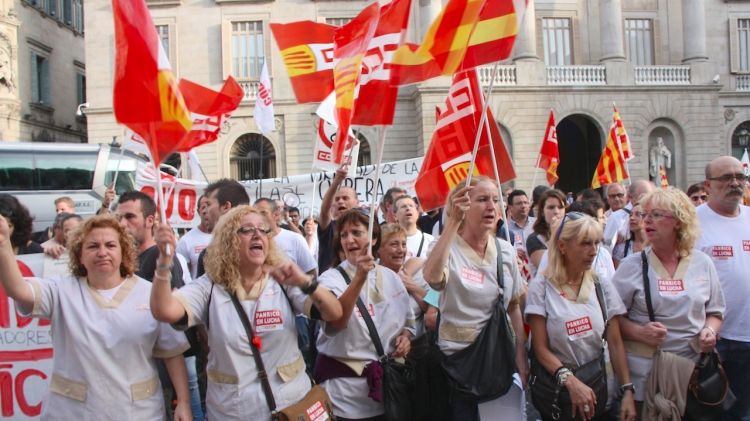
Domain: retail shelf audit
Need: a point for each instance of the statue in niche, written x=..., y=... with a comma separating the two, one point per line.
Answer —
x=6, y=71
x=659, y=156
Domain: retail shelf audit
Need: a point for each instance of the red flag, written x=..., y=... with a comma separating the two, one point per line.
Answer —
x=549, y=155
x=376, y=100
x=350, y=44
x=307, y=50
x=209, y=109
x=664, y=181
x=448, y=157
x=146, y=96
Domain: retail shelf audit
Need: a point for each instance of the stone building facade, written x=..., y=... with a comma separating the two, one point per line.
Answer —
x=42, y=71
x=678, y=70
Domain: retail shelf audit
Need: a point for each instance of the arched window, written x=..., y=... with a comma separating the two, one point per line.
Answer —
x=364, y=151
x=252, y=157
x=740, y=139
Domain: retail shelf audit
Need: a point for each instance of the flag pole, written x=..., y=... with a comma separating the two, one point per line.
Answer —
x=617, y=139
x=494, y=164
x=536, y=171
x=373, y=202
x=481, y=123
x=119, y=161
x=159, y=191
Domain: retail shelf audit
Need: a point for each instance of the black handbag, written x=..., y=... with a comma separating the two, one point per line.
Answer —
x=398, y=378
x=708, y=386
x=431, y=392
x=553, y=400
x=483, y=371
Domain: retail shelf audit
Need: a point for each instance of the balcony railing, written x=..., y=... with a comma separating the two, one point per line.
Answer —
x=505, y=76
x=576, y=75
x=251, y=89
x=662, y=75
x=742, y=83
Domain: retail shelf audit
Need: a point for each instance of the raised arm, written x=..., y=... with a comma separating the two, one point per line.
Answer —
x=325, y=205
x=349, y=298
x=438, y=258
x=322, y=298
x=13, y=284
x=164, y=306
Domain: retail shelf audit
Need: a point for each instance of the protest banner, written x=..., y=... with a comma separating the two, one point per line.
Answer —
x=180, y=194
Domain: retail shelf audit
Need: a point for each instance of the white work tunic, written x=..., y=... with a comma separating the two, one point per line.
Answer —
x=680, y=304
x=103, y=367
x=388, y=303
x=234, y=388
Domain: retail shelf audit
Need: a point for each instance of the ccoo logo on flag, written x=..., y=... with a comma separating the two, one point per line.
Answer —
x=457, y=169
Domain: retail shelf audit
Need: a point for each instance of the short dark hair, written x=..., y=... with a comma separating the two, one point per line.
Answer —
x=537, y=192
x=59, y=219
x=695, y=188
x=291, y=209
x=228, y=190
x=148, y=206
x=388, y=196
x=589, y=193
x=514, y=194
x=353, y=216
x=69, y=216
x=590, y=207
x=271, y=203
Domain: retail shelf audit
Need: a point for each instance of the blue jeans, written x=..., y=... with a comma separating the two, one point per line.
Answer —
x=307, y=335
x=195, y=395
x=735, y=356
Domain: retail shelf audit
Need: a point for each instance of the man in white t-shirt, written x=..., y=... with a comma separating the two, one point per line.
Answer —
x=725, y=237
x=195, y=241
x=407, y=214
x=616, y=229
x=616, y=197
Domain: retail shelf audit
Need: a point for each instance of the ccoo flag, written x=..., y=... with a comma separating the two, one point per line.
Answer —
x=146, y=96
x=549, y=154
x=263, y=112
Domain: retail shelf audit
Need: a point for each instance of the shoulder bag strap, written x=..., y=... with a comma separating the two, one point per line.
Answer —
x=208, y=307
x=602, y=306
x=262, y=374
x=647, y=286
x=628, y=243
x=500, y=280
x=421, y=243
x=374, y=336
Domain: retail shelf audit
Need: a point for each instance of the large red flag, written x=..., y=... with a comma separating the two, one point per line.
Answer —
x=448, y=157
x=549, y=154
x=350, y=44
x=146, y=97
x=307, y=50
x=209, y=109
x=376, y=99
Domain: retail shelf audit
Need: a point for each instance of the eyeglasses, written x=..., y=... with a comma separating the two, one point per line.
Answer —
x=656, y=215
x=726, y=178
x=251, y=231
x=573, y=216
x=696, y=198
x=616, y=195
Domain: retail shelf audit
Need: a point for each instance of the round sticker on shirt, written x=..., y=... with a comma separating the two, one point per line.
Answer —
x=268, y=321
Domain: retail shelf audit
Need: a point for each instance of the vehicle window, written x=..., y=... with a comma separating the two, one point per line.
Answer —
x=64, y=171
x=16, y=171
x=126, y=165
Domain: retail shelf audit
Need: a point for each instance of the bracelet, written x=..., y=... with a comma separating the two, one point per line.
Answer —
x=627, y=386
x=311, y=286
x=163, y=267
x=710, y=329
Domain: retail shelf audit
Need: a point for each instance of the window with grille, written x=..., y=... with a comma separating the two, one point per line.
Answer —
x=247, y=49
x=81, y=87
x=78, y=15
x=163, y=31
x=743, y=44
x=639, y=37
x=557, y=41
x=40, y=83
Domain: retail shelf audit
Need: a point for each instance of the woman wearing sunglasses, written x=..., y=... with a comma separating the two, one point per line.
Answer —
x=244, y=271
x=685, y=295
x=570, y=310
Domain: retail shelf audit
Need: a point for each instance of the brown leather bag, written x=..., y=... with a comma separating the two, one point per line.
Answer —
x=314, y=406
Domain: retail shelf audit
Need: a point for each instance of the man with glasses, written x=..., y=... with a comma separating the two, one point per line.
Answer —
x=697, y=194
x=725, y=237
x=616, y=230
x=616, y=198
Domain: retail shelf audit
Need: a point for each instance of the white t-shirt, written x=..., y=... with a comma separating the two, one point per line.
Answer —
x=680, y=304
x=727, y=242
x=190, y=247
x=296, y=249
x=603, y=266
x=417, y=244
x=617, y=225
x=387, y=300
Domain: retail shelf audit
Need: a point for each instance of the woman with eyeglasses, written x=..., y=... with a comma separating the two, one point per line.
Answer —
x=468, y=265
x=550, y=208
x=697, y=194
x=684, y=291
x=348, y=362
x=636, y=239
x=570, y=310
x=20, y=224
x=244, y=269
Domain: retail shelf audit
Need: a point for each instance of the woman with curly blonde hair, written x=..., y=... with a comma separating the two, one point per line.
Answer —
x=683, y=286
x=242, y=265
x=105, y=339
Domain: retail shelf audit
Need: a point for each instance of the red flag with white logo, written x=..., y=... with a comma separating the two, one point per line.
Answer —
x=549, y=154
x=209, y=110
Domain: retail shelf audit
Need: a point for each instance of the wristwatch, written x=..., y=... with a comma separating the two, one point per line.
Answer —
x=562, y=375
x=310, y=287
x=627, y=386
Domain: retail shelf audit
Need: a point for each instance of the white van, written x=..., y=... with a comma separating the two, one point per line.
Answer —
x=38, y=173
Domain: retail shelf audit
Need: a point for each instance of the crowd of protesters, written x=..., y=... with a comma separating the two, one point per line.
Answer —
x=597, y=309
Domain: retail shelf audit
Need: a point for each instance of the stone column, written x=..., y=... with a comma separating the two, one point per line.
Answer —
x=428, y=11
x=525, y=48
x=610, y=31
x=694, y=31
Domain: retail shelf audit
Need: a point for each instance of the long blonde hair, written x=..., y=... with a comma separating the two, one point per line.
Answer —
x=222, y=258
x=574, y=227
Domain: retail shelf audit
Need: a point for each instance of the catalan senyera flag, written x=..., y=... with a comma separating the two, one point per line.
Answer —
x=307, y=50
x=549, y=154
x=376, y=99
x=209, y=110
x=350, y=45
x=663, y=180
x=146, y=97
x=448, y=157
x=466, y=34
x=622, y=136
x=612, y=167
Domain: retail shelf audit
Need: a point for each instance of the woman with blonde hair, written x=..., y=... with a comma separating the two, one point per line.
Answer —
x=105, y=339
x=244, y=272
x=571, y=310
x=481, y=288
x=681, y=310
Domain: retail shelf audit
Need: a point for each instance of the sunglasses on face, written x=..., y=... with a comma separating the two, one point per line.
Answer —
x=696, y=198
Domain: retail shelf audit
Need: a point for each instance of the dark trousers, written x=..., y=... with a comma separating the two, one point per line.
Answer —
x=735, y=356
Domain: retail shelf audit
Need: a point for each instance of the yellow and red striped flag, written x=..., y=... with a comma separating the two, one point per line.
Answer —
x=612, y=167
x=663, y=177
